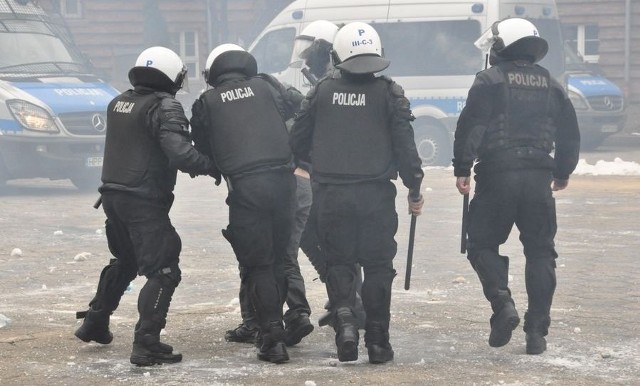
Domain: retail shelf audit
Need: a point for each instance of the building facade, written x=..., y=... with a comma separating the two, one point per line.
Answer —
x=607, y=32
x=113, y=32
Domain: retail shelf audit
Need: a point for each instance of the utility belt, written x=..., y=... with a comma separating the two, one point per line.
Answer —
x=231, y=179
x=527, y=151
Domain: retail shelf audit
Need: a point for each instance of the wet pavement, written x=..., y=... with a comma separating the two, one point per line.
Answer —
x=439, y=328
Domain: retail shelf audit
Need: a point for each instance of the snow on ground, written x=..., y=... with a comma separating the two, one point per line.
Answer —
x=617, y=167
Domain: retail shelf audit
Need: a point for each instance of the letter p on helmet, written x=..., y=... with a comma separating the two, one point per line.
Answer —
x=360, y=32
x=149, y=62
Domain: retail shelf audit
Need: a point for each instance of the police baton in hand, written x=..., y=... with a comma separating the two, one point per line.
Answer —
x=465, y=215
x=412, y=236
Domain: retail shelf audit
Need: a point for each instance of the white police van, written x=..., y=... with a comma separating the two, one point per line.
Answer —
x=52, y=107
x=429, y=43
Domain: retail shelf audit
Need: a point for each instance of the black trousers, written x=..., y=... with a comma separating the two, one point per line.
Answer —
x=261, y=210
x=296, y=293
x=356, y=224
x=523, y=198
x=143, y=242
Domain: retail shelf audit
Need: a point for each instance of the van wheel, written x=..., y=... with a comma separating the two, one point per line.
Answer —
x=87, y=182
x=433, y=145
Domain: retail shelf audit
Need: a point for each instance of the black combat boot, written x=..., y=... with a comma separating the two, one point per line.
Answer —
x=376, y=340
x=95, y=326
x=297, y=329
x=536, y=328
x=273, y=348
x=536, y=343
x=502, y=325
x=347, y=335
x=149, y=351
x=242, y=334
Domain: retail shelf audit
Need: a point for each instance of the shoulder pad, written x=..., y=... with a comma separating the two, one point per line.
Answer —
x=171, y=110
x=169, y=103
x=395, y=89
x=272, y=80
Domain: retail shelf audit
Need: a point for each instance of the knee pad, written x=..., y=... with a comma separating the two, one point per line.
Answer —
x=168, y=276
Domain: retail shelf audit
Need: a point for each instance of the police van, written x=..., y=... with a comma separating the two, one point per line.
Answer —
x=52, y=106
x=431, y=47
x=599, y=103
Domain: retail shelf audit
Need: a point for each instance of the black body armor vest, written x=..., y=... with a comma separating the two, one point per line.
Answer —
x=525, y=120
x=351, y=137
x=129, y=149
x=247, y=130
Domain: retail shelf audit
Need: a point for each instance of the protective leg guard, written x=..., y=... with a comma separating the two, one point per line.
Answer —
x=326, y=319
x=95, y=326
x=273, y=348
x=376, y=340
x=153, y=306
x=347, y=335
x=341, y=285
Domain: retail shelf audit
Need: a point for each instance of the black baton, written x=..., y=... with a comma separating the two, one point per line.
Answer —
x=412, y=236
x=463, y=232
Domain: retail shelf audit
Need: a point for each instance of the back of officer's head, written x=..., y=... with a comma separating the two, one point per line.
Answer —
x=227, y=58
x=158, y=68
x=516, y=39
x=357, y=49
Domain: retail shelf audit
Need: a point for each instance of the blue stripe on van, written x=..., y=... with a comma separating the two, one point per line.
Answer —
x=9, y=125
x=70, y=97
x=593, y=85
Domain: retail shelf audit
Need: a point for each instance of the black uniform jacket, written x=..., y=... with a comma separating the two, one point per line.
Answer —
x=168, y=130
x=485, y=101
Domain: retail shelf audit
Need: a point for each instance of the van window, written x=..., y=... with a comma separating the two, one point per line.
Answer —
x=32, y=46
x=273, y=51
x=433, y=48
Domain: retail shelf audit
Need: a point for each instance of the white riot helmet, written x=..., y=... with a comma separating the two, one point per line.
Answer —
x=244, y=62
x=357, y=49
x=162, y=59
x=514, y=37
x=319, y=30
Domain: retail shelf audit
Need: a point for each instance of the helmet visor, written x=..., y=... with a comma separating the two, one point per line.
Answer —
x=301, y=46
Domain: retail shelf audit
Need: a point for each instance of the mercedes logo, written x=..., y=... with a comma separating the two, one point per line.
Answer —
x=98, y=122
x=608, y=102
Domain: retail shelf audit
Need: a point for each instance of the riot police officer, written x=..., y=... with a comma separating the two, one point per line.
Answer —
x=240, y=122
x=313, y=47
x=514, y=115
x=147, y=141
x=355, y=129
